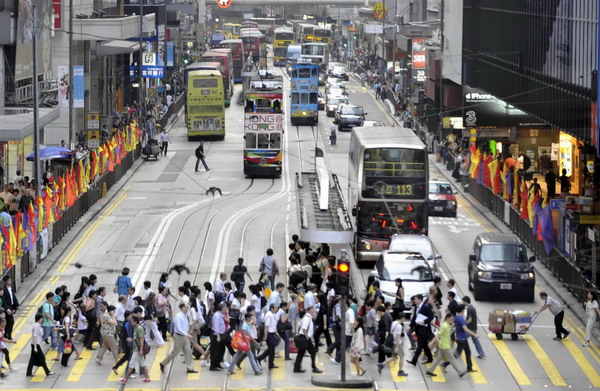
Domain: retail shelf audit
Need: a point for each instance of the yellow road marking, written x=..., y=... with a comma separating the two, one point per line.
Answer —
x=477, y=377
x=195, y=376
x=39, y=373
x=19, y=346
x=161, y=353
x=279, y=373
x=580, y=334
x=583, y=363
x=440, y=378
x=80, y=365
x=121, y=370
x=545, y=361
x=239, y=373
x=467, y=209
x=394, y=368
x=319, y=363
x=510, y=361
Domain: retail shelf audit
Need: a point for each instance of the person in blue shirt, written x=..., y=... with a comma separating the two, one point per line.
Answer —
x=123, y=282
x=126, y=338
x=462, y=338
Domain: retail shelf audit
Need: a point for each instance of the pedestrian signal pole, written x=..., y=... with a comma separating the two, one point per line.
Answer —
x=343, y=285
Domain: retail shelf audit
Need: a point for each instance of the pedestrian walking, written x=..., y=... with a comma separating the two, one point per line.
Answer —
x=395, y=342
x=48, y=322
x=246, y=331
x=3, y=348
x=304, y=340
x=138, y=359
x=272, y=337
x=37, y=358
x=348, y=331
x=218, y=337
x=151, y=319
x=444, y=344
x=558, y=310
x=238, y=275
x=357, y=346
x=126, y=340
x=421, y=323
x=65, y=338
x=472, y=325
x=165, y=140
x=200, y=157
x=108, y=331
x=123, y=282
x=268, y=266
x=181, y=340
x=592, y=311
x=333, y=134
x=384, y=328
x=462, y=338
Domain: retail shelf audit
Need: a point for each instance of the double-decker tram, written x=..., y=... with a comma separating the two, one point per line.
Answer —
x=387, y=187
x=237, y=54
x=205, y=105
x=304, y=89
x=255, y=44
x=263, y=127
x=317, y=53
x=225, y=58
x=282, y=38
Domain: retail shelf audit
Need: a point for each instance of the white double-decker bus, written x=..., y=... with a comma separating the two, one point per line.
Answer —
x=387, y=187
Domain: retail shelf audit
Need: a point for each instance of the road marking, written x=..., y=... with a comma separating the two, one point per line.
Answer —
x=440, y=378
x=545, y=361
x=580, y=334
x=279, y=373
x=510, y=361
x=195, y=376
x=394, y=368
x=583, y=363
x=467, y=209
x=19, y=346
x=239, y=373
x=161, y=353
x=80, y=365
x=455, y=230
x=477, y=377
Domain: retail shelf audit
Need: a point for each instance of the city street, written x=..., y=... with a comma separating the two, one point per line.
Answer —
x=165, y=215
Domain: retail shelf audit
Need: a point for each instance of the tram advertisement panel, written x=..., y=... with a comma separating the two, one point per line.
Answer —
x=266, y=122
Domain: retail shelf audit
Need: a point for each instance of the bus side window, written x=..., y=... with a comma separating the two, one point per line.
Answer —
x=314, y=72
x=295, y=73
x=277, y=106
x=249, y=106
x=295, y=98
x=313, y=98
x=250, y=140
x=276, y=141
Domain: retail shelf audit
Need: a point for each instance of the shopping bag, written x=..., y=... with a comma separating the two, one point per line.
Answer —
x=239, y=342
x=293, y=347
x=267, y=292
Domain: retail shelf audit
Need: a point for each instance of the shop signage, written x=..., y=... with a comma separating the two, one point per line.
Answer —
x=555, y=204
x=78, y=86
x=483, y=109
x=554, y=151
x=150, y=72
x=452, y=122
x=490, y=133
x=148, y=59
x=373, y=28
x=93, y=121
x=57, y=13
x=379, y=11
x=170, y=53
x=419, y=58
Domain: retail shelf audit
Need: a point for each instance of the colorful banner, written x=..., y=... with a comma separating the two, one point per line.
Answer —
x=62, y=71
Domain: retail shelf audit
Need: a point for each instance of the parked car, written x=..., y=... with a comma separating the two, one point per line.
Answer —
x=332, y=103
x=442, y=200
x=336, y=84
x=349, y=116
x=411, y=267
x=422, y=244
x=499, y=267
x=340, y=73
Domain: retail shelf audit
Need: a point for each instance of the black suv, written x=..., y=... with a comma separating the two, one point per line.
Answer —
x=349, y=116
x=499, y=267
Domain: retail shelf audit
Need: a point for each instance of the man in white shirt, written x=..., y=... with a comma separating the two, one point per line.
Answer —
x=273, y=336
x=181, y=340
x=147, y=289
x=304, y=341
x=165, y=140
x=275, y=297
x=558, y=310
x=309, y=297
x=349, y=330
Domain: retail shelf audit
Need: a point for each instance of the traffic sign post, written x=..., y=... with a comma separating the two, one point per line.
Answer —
x=224, y=3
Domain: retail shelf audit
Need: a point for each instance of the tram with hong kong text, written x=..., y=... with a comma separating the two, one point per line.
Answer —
x=304, y=90
x=388, y=177
x=263, y=127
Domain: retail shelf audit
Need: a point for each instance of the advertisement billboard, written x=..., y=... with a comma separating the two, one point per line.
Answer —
x=268, y=122
x=419, y=57
x=25, y=34
x=62, y=72
x=78, y=86
x=453, y=32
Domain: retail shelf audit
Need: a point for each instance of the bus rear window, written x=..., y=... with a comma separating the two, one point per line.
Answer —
x=205, y=83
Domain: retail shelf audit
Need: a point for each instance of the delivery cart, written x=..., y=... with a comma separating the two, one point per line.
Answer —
x=514, y=323
x=151, y=149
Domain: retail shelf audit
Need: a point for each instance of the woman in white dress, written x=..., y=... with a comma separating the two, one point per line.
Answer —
x=592, y=311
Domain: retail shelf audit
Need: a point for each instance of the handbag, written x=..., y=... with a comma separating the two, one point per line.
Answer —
x=146, y=348
x=293, y=347
x=239, y=342
x=68, y=347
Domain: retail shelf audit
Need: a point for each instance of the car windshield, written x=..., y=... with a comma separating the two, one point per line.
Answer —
x=339, y=70
x=336, y=101
x=440, y=188
x=421, y=246
x=503, y=253
x=352, y=110
x=409, y=268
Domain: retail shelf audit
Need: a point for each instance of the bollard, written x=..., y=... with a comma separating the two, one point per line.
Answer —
x=104, y=190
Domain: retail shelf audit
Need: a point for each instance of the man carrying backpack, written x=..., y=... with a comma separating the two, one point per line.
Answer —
x=200, y=157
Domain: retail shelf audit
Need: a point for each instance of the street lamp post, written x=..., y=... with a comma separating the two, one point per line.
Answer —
x=36, y=122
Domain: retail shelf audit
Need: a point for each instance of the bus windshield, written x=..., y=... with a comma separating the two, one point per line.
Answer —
x=205, y=83
x=394, y=173
x=283, y=37
x=313, y=50
x=374, y=220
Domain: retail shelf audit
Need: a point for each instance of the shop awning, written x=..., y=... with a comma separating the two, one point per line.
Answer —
x=110, y=48
x=16, y=123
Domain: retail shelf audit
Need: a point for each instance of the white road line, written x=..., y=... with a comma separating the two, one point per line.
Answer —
x=152, y=250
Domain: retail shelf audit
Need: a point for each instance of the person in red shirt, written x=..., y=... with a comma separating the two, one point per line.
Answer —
x=510, y=162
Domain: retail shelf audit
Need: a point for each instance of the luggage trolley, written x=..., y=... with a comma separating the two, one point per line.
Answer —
x=151, y=149
x=514, y=323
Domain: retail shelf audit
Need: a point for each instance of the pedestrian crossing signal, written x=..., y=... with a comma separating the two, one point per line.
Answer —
x=343, y=276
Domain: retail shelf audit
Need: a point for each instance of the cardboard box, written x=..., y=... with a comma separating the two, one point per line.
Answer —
x=509, y=328
x=509, y=317
x=496, y=320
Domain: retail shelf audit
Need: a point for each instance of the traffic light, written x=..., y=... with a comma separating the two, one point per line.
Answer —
x=343, y=276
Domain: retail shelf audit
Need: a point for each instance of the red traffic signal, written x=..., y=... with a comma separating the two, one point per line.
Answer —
x=343, y=277
x=343, y=267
